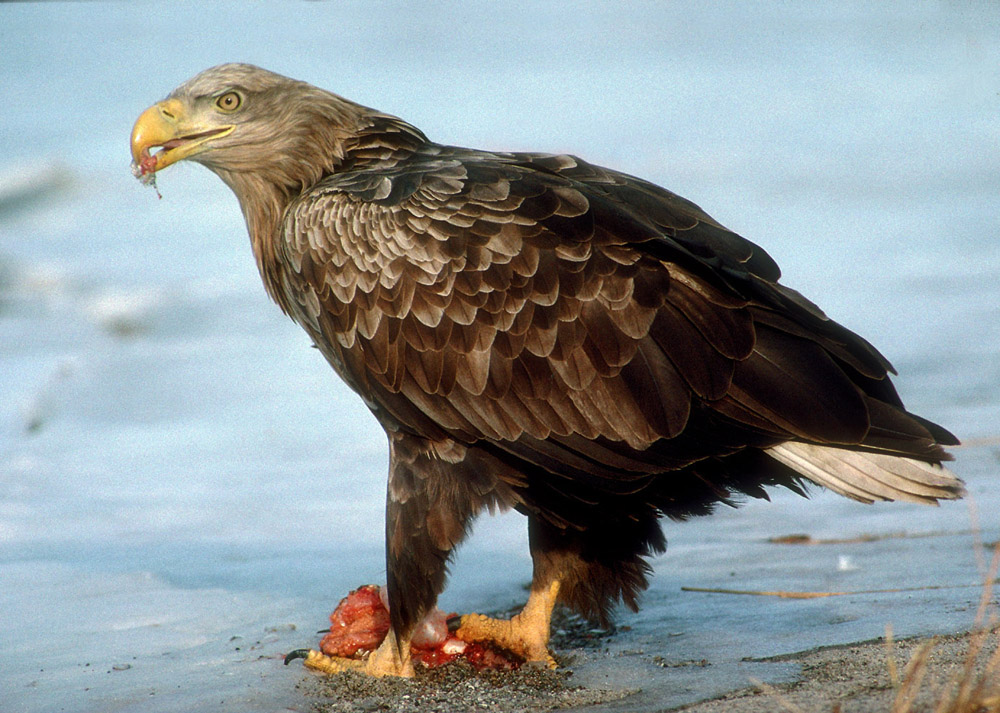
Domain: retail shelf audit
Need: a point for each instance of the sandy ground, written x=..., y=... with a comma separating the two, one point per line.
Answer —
x=854, y=677
x=860, y=677
x=857, y=677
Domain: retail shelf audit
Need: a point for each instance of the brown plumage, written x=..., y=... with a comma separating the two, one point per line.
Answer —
x=537, y=332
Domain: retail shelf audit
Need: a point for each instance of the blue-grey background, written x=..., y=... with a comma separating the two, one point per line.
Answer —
x=186, y=489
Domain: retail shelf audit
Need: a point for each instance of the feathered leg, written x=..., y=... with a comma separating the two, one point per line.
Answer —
x=527, y=633
x=435, y=488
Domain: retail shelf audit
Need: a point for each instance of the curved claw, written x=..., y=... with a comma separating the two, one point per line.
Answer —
x=389, y=659
x=318, y=661
x=297, y=654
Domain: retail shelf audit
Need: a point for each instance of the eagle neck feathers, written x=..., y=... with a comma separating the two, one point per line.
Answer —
x=326, y=148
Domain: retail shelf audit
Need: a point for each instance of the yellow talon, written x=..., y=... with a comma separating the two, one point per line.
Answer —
x=388, y=659
x=318, y=661
x=526, y=634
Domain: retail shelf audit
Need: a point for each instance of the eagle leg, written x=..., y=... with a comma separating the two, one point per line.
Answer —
x=389, y=659
x=525, y=634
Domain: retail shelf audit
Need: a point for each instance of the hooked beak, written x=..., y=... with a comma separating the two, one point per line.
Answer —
x=167, y=125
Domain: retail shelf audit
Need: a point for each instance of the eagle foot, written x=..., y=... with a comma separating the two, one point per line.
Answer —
x=383, y=661
x=318, y=661
x=525, y=635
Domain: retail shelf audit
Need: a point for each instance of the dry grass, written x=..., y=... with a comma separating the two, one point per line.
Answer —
x=975, y=687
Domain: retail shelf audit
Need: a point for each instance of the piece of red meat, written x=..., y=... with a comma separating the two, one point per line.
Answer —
x=361, y=621
x=357, y=625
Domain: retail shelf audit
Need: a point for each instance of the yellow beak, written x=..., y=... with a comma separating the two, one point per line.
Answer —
x=167, y=125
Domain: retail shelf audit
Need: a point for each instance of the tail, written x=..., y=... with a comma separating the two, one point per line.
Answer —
x=866, y=476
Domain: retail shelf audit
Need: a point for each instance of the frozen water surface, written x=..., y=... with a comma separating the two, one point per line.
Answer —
x=185, y=487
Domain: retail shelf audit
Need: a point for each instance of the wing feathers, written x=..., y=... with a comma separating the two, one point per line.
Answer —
x=795, y=384
x=512, y=300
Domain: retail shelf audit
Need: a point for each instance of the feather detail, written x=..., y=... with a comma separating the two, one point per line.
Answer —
x=869, y=476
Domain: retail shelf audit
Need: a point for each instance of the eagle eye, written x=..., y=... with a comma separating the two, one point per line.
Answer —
x=230, y=101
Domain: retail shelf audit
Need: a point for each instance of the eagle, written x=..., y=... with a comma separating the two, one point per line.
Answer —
x=539, y=333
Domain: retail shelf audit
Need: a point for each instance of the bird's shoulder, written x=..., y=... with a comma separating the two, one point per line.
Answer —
x=461, y=196
x=438, y=213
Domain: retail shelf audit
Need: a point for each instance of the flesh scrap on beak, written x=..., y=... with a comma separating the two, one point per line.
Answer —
x=166, y=126
x=144, y=168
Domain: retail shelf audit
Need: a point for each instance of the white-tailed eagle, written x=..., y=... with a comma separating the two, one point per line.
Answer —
x=539, y=333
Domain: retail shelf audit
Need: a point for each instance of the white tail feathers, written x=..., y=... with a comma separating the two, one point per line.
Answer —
x=868, y=476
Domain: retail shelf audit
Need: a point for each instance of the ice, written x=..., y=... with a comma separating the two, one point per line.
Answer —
x=81, y=641
x=186, y=490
